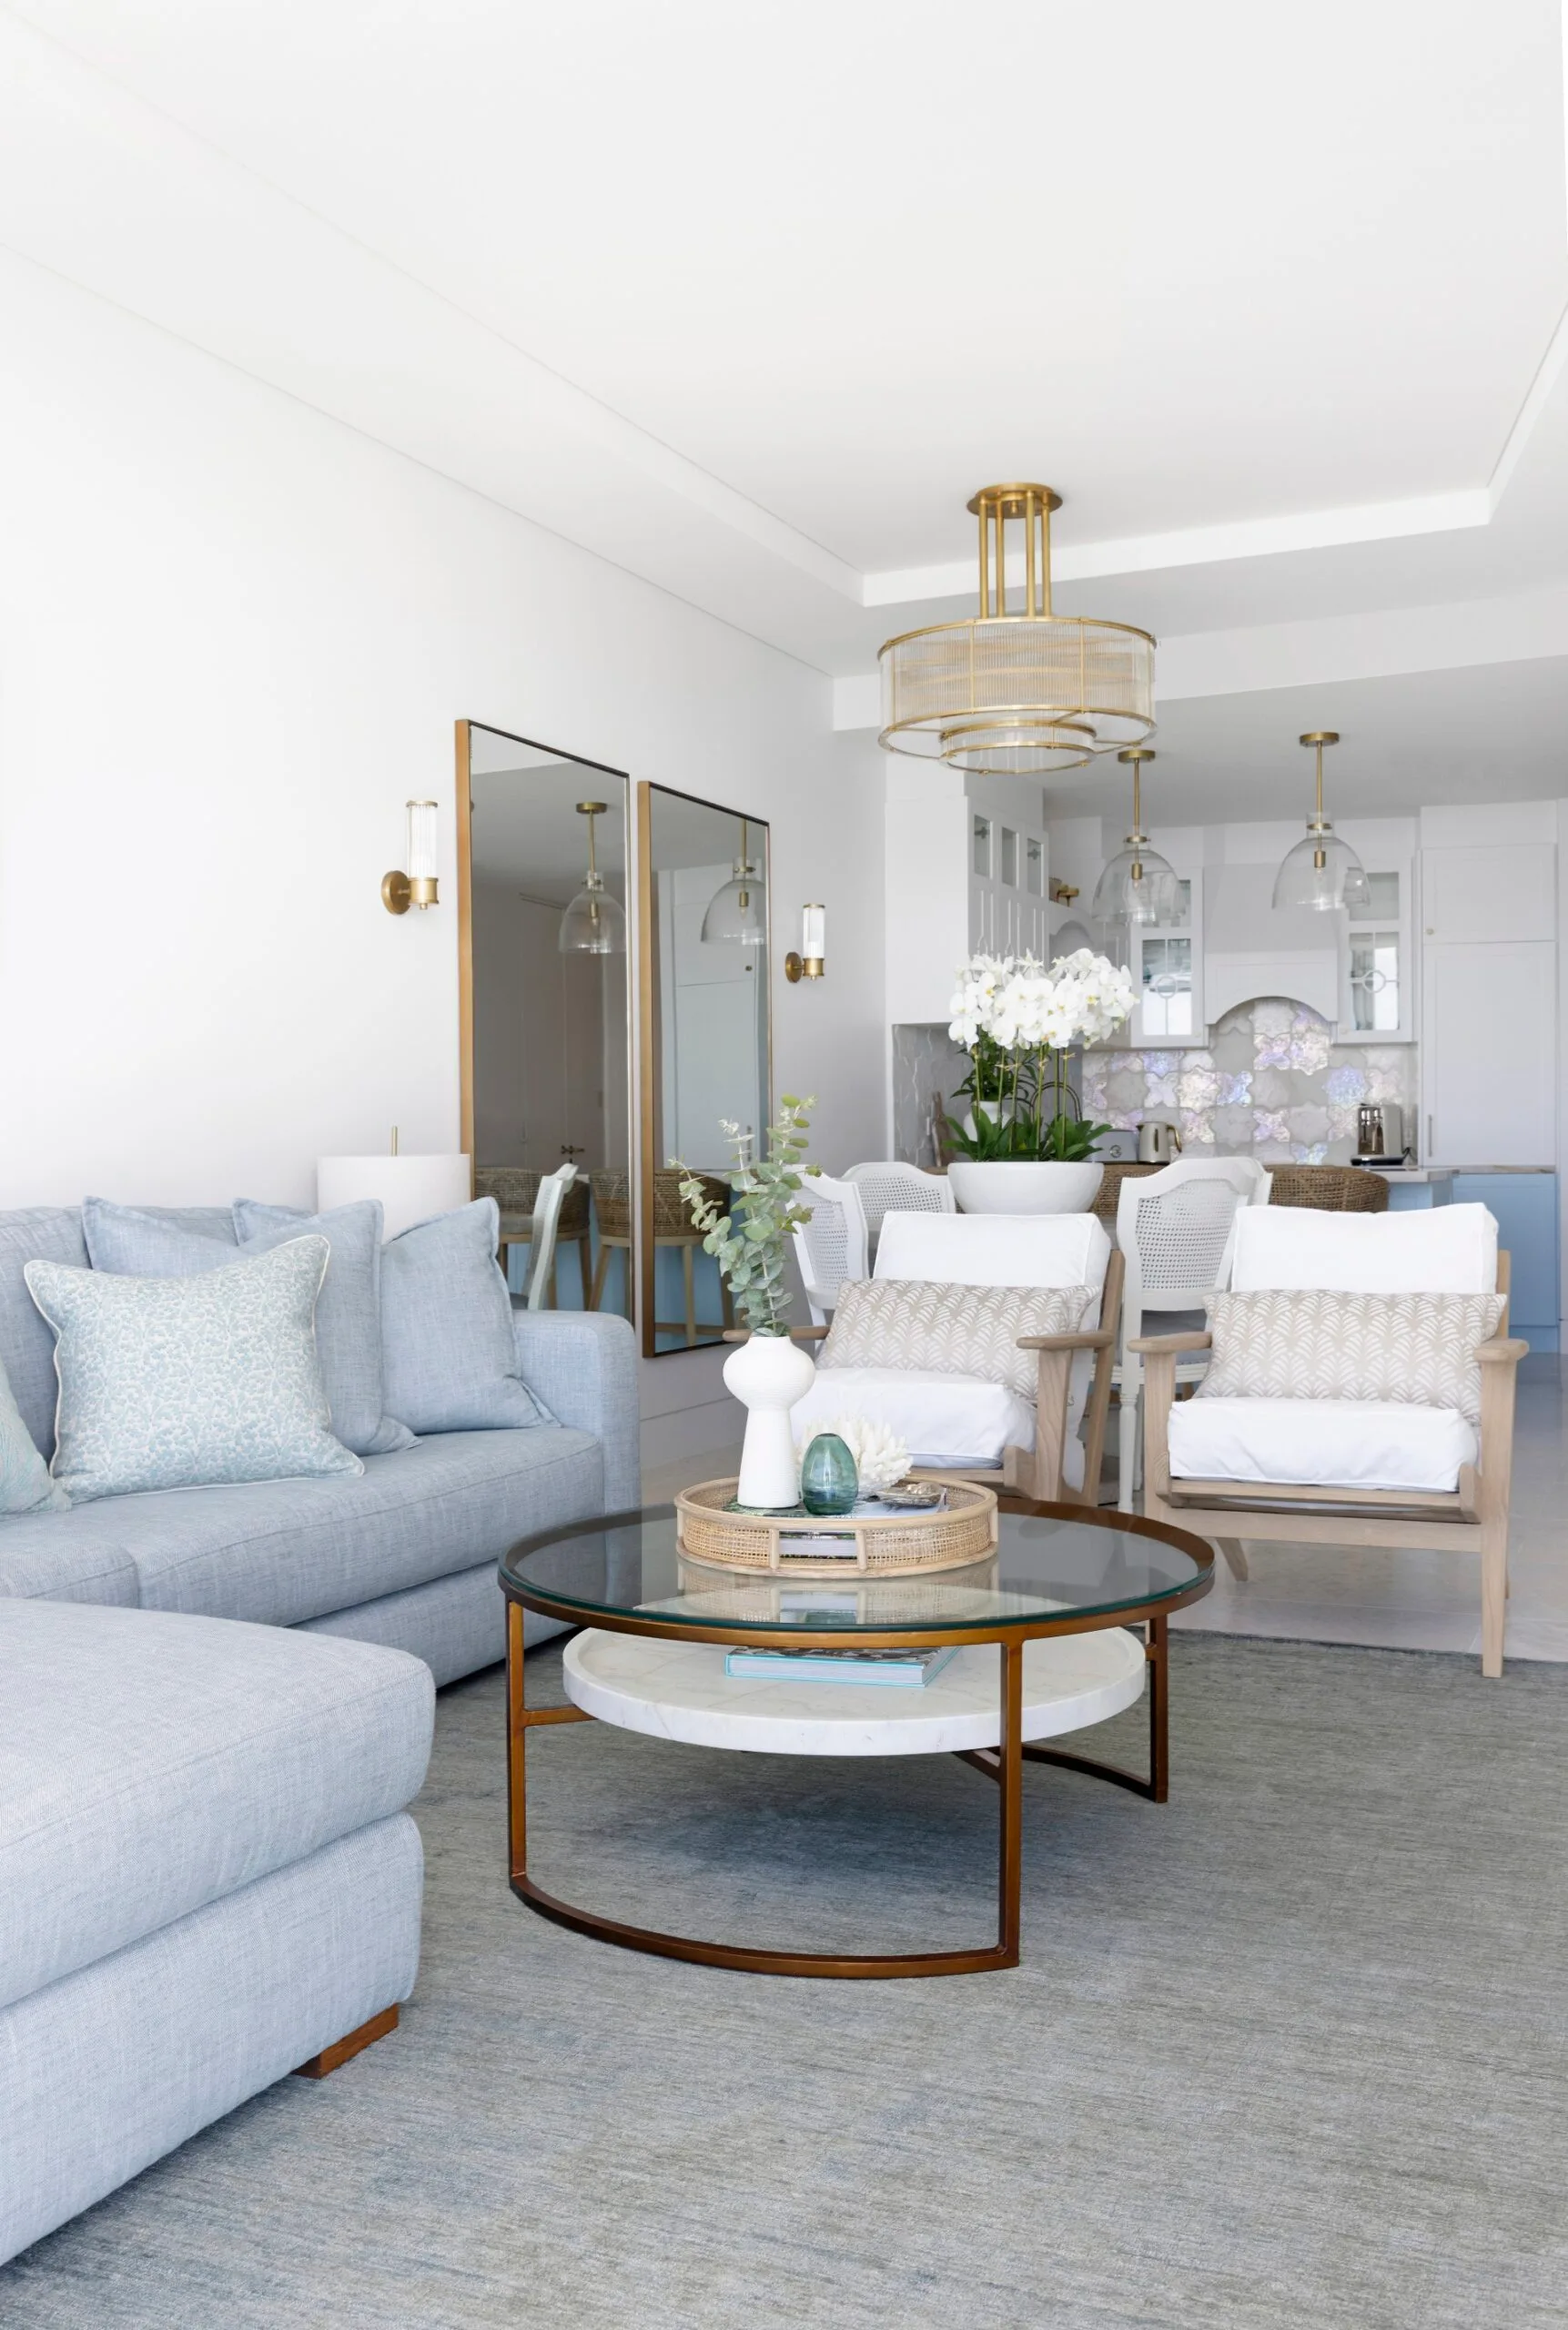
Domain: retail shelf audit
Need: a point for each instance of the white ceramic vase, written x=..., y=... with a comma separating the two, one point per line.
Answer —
x=1020, y=1185
x=767, y=1374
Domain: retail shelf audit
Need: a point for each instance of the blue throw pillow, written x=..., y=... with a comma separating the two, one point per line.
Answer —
x=448, y=1348
x=24, y=1483
x=186, y=1382
x=140, y=1243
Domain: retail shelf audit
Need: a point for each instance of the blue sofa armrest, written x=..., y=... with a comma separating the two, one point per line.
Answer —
x=584, y=1366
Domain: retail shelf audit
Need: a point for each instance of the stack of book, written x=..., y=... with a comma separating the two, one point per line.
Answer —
x=912, y=1667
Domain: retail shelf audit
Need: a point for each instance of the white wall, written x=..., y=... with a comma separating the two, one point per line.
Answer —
x=236, y=637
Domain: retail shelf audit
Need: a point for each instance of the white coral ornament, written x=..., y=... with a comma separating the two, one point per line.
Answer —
x=880, y=1456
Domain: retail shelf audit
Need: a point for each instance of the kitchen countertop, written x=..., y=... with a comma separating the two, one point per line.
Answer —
x=1410, y=1173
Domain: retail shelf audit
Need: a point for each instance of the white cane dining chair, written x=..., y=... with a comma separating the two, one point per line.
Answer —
x=893, y=1186
x=547, y=1204
x=834, y=1245
x=1177, y=1230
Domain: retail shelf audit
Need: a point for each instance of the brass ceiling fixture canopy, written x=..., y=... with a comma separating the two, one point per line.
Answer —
x=1018, y=691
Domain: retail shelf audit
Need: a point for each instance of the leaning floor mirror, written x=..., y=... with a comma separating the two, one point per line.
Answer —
x=704, y=1035
x=542, y=855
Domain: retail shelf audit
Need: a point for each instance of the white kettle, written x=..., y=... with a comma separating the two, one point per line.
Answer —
x=1158, y=1142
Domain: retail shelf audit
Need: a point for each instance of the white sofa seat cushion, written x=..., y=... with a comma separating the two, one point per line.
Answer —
x=958, y=1421
x=1327, y=1443
x=1450, y=1249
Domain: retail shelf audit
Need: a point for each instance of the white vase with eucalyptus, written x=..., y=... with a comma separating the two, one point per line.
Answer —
x=767, y=1373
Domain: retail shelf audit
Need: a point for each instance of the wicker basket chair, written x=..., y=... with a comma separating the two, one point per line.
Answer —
x=1332, y=1188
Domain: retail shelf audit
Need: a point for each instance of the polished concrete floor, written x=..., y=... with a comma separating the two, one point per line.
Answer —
x=1405, y=1600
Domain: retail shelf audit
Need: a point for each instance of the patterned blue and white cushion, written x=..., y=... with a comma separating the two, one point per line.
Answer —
x=184, y=1383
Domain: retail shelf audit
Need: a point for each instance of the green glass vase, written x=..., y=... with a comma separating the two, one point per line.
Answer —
x=828, y=1479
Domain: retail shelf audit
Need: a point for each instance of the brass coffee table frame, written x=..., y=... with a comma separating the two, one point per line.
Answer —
x=1004, y=1764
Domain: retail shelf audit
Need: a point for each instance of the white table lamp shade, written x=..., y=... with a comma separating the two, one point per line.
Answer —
x=410, y=1188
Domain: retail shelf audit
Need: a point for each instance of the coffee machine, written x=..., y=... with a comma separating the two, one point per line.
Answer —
x=1379, y=1133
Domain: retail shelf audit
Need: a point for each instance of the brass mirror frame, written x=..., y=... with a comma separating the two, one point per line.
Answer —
x=467, y=1098
x=644, y=1033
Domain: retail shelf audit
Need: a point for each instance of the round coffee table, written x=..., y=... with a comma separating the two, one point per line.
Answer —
x=1041, y=1630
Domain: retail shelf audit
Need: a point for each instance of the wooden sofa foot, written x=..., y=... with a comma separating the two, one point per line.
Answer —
x=341, y=2050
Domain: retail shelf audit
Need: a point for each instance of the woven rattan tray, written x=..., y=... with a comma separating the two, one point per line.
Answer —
x=891, y=1545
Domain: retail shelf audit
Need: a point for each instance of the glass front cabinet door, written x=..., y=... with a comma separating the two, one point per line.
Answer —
x=1166, y=966
x=1377, y=1004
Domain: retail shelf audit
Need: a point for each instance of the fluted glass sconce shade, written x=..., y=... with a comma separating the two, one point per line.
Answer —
x=595, y=923
x=1139, y=886
x=735, y=913
x=1321, y=871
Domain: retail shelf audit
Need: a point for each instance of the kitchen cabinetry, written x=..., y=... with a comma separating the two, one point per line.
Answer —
x=1377, y=990
x=1487, y=896
x=1010, y=903
x=1525, y=1205
x=1489, y=1053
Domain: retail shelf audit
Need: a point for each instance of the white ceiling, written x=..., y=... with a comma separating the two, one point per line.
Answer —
x=1201, y=265
x=750, y=299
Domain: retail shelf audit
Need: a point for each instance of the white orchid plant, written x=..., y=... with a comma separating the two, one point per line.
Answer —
x=1017, y=1020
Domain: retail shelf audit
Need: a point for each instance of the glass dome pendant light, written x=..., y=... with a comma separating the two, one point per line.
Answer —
x=595, y=923
x=1138, y=886
x=1322, y=871
x=735, y=915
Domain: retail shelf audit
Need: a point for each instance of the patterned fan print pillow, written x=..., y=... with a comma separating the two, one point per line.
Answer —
x=923, y=1323
x=1416, y=1348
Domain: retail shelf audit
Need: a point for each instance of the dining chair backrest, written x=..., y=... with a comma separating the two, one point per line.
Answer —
x=548, y=1201
x=834, y=1245
x=893, y=1186
x=1177, y=1230
x=1448, y=1250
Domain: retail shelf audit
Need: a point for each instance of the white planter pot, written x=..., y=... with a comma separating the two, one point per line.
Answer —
x=767, y=1374
x=1021, y=1187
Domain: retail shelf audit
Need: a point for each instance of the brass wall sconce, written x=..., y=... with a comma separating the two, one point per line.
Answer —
x=811, y=962
x=417, y=886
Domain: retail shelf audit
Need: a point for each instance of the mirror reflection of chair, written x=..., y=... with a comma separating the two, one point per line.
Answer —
x=1177, y=1230
x=889, y=1186
x=834, y=1245
x=543, y=1228
x=672, y=1229
x=515, y=1188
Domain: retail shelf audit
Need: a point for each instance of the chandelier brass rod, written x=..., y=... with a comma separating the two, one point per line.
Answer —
x=984, y=564
x=1029, y=556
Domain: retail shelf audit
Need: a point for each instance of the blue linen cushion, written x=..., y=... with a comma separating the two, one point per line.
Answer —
x=24, y=1483
x=34, y=1234
x=176, y=1383
x=140, y=1241
x=447, y=1349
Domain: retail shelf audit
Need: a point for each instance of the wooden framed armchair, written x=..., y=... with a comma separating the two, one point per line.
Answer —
x=1047, y=1448
x=1312, y=1476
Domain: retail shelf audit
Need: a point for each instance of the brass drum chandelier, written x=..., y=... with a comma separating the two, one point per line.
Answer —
x=1020, y=693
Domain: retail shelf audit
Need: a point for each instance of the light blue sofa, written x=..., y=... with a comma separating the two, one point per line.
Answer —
x=404, y=1555
x=207, y=1874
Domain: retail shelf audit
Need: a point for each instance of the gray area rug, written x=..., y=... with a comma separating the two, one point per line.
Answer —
x=1285, y=2052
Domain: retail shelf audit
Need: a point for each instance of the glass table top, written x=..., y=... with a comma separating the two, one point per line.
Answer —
x=1045, y=1566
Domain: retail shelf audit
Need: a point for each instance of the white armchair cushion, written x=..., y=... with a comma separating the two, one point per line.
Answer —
x=957, y=1422
x=1294, y=1345
x=916, y=1324
x=1321, y=1443
x=995, y=1248
x=1452, y=1250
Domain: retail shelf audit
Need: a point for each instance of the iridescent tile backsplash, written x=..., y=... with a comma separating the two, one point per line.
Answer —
x=1270, y=1085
